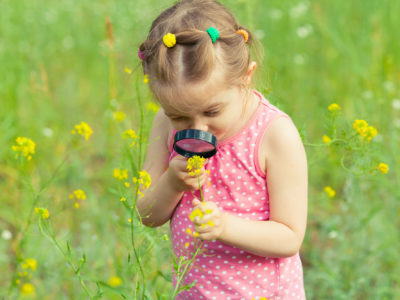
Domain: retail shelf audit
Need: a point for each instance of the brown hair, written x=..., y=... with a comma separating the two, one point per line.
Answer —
x=194, y=56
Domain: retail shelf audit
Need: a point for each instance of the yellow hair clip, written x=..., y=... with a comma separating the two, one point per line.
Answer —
x=169, y=40
x=244, y=33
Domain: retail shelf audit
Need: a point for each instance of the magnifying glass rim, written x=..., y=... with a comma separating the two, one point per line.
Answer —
x=195, y=134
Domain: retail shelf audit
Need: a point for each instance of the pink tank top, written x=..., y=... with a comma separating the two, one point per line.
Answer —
x=238, y=187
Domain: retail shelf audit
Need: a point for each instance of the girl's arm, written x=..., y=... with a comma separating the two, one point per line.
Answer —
x=283, y=233
x=160, y=199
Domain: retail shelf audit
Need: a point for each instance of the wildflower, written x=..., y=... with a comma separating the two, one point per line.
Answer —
x=384, y=168
x=144, y=181
x=367, y=132
x=127, y=184
x=187, y=245
x=152, y=107
x=196, y=213
x=326, y=139
x=120, y=174
x=119, y=116
x=127, y=70
x=27, y=289
x=129, y=134
x=194, y=164
x=43, y=212
x=115, y=281
x=25, y=147
x=83, y=129
x=334, y=107
x=29, y=263
x=188, y=231
x=130, y=220
x=331, y=192
x=77, y=195
x=123, y=199
x=146, y=78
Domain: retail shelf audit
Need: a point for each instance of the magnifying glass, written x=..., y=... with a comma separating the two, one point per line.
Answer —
x=191, y=142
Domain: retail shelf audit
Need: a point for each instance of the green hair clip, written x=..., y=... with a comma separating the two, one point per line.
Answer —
x=213, y=33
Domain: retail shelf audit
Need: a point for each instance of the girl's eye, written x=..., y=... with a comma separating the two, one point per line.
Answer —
x=211, y=113
x=177, y=119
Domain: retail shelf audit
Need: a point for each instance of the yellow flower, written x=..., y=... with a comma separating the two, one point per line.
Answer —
x=384, y=168
x=334, y=107
x=127, y=70
x=123, y=199
x=194, y=164
x=326, y=139
x=152, y=107
x=360, y=126
x=120, y=174
x=367, y=132
x=119, y=116
x=130, y=220
x=129, y=134
x=83, y=129
x=331, y=193
x=127, y=184
x=43, y=212
x=76, y=205
x=144, y=181
x=27, y=289
x=78, y=194
x=188, y=231
x=196, y=213
x=25, y=147
x=115, y=281
x=187, y=245
x=146, y=78
x=29, y=263
x=370, y=133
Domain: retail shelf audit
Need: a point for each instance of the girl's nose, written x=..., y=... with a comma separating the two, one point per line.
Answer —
x=198, y=124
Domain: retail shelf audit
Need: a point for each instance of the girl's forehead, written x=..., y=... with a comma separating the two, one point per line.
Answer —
x=196, y=96
x=194, y=99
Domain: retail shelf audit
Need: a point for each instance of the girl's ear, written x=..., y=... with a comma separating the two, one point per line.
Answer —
x=250, y=72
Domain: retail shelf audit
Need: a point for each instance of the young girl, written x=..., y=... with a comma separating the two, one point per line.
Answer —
x=198, y=62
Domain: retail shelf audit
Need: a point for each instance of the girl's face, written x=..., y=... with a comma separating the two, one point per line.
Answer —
x=220, y=111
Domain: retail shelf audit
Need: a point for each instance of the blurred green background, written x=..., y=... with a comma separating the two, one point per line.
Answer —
x=58, y=68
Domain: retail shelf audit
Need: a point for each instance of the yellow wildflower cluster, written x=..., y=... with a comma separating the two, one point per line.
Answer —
x=82, y=129
x=199, y=213
x=130, y=134
x=367, y=132
x=77, y=195
x=334, y=107
x=128, y=71
x=119, y=116
x=43, y=212
x=29, y=263
x=115, y=281
x=194, y=165
x=27, y=288
x=25, y=147
x=331, y=192
x=146, y=78
x=120, y=174
x=326, y=139
x=144, y=181
x=384, y=168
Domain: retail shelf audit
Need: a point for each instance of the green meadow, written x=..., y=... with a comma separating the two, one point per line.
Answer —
x=68, y=224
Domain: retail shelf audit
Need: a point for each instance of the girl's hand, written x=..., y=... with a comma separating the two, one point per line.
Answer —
x=179, y=175
x=211, y=223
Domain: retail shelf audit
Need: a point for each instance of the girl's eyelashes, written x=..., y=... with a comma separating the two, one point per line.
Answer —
x=211, y=113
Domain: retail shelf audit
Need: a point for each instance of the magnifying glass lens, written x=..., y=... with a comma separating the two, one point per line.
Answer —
x=191, y=142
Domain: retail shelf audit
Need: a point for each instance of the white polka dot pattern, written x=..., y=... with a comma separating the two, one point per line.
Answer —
x=238, y=187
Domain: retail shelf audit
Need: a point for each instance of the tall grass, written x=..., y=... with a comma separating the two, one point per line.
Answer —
x=64, y=62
